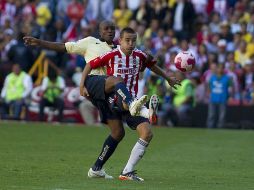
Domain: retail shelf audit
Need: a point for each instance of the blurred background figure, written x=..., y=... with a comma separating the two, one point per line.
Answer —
x=122, y=14
x=219, y=84
x=98, y=10
x=183, y=17
x=52, y=89
x=21, y=54
x=183, y=100
x=15, y=93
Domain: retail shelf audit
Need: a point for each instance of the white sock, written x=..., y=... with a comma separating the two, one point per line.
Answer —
x=136, y=154
x=144, y=112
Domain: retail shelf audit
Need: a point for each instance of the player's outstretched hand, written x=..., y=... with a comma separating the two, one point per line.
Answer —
x=173, y=82
x=31, y=41
x=83, y=91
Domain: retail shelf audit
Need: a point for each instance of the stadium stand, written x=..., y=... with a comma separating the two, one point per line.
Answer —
x=215, y=31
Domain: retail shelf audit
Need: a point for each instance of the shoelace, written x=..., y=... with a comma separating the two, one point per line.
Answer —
x=133, y=173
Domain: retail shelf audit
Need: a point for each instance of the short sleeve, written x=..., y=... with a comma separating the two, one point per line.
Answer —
x=78, y=47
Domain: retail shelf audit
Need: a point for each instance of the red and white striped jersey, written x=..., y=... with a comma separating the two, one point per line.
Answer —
x=126, y=66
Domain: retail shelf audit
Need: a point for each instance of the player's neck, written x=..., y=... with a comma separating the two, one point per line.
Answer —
x=125, y=52
x=110, y=43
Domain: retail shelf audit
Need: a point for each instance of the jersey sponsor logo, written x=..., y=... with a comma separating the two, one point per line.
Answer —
x=131, y=71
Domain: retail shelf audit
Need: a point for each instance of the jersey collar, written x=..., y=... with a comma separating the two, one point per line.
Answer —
x=113, y=46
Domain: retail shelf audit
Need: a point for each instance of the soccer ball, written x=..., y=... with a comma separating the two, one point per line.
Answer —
x=185, y=61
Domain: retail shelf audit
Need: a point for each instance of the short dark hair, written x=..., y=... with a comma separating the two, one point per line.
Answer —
x=127, y=30
x=106, y=23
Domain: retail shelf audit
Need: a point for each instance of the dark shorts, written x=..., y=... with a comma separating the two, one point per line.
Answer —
x=107, y=114
x=104, y=110
x=95, y=85
x=132, y=121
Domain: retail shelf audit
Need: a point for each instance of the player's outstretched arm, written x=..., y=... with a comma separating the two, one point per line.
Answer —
x=172, y=81
x=56, y=46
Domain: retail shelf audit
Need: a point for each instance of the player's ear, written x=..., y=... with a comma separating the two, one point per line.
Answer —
x=120, y=40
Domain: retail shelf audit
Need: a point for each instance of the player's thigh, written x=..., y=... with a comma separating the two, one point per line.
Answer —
x=134, y=121
x=140, y=124
x=95, y=85
x=110, y=83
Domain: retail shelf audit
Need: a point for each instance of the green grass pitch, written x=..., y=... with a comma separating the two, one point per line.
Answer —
x=57, y=157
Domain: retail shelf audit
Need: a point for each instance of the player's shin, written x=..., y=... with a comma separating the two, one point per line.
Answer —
x=108, y=149
x=123, y=93
x=136, y=154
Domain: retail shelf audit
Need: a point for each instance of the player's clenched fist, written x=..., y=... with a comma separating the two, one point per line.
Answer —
x=83, y=91
x=31, y=41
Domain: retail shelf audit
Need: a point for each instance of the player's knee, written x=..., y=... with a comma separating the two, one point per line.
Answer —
x=118, y=134
x=147, y=135
x=118, y=80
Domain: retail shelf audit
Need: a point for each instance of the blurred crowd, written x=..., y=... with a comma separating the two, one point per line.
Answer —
x=219, y=33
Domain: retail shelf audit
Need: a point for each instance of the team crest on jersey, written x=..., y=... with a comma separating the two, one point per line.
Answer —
x=134, y=61
x=119, y=61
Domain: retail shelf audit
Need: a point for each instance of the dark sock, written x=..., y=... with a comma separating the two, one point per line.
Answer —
x=123, y=93
x=108, y=149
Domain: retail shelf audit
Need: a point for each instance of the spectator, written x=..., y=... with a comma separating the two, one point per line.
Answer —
x=133, y=5
x=21, y=54
x=9, y=41
x=141, y=39
x=247, y=82
x=200, y=6
x=160, y=11
x=183, y=16
x=122, y=14
x=222, y=54
x=250, y=25
x=201, y=59
x=143, y=13
x=15, y=93
x=43, y=18
x=234, y=72
x=52, y=88
x=234, y=23
x=241, y=54
x=183, y=100
x=98, y=10
x=245, y=34
x=212, y=45
x=151, y=32
x=225, y=32
x=219, y=84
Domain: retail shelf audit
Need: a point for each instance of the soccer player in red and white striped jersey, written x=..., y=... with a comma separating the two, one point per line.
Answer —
x=127, y=62
x=125, y=66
